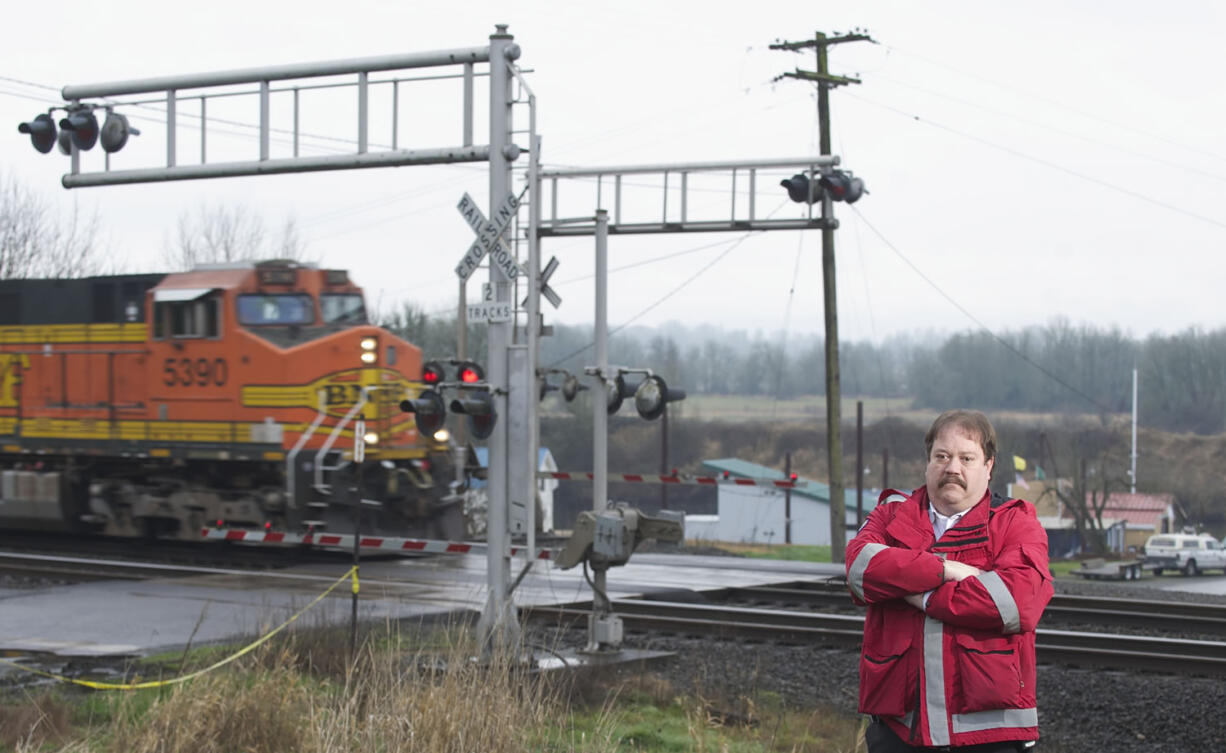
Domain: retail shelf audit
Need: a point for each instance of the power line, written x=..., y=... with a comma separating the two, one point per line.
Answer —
x=1045, y=163
x=1004, y=343
x=736, y=244
x=1057, y=103
x=979, y=106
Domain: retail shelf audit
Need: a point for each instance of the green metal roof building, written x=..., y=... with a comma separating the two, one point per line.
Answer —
x=756, y=514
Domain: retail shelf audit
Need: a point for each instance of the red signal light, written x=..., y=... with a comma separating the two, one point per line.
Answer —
x=792, y=478
x=432, y=373
x=471, y=373
x=220, y=523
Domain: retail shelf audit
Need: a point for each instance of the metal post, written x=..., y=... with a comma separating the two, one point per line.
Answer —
x=204, y=130
x=600, y=414
x=664, y=458
x=296, y=114
x=362, y=111
x=467, y=136
x=1133, y=474
x=264, y=116
x=534, y=322
x=498, y=624
x=885, y=468
x=171, y=98
x=357, y=561
x=396, y=115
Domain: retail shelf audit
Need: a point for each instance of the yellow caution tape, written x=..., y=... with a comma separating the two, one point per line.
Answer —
x=184, y=678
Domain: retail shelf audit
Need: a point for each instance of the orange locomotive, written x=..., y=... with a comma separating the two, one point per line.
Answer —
x=155, y=405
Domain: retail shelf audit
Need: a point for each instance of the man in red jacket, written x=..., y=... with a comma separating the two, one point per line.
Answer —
x=955, y=580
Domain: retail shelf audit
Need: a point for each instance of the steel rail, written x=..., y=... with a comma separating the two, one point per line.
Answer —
x=1128, y=652
x=1173, y=616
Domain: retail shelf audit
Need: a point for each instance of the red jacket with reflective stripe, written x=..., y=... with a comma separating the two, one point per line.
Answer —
x=962, y=672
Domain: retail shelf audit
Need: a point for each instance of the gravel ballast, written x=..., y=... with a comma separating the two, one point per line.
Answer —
x=1079, y=709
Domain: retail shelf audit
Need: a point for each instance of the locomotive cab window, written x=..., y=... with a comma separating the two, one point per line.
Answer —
x=291, y=308
x=178, y=316
x=346, y=308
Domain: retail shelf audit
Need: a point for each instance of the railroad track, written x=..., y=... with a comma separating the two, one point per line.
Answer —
x=158, y=552
x=1167, y=616
x=1077, y=648
x=79, y=569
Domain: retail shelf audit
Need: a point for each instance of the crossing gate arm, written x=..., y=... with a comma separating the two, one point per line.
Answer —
x=367, y=543
x=654, y=478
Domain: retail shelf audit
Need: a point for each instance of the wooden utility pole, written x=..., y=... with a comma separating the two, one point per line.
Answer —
x=834, y=442
x=859, y=464
x=787, y=500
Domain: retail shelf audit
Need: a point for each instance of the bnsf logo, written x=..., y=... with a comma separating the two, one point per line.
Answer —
x=340, y=391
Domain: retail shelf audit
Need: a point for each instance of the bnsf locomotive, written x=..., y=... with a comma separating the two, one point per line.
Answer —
x=158, y=404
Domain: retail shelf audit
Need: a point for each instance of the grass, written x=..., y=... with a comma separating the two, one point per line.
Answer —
x=410, y=690
x=804, y=408
x=791, y=552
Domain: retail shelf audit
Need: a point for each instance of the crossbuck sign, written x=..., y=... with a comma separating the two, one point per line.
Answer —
x=489, y=233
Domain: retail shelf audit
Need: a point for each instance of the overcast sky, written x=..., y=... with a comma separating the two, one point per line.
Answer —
x=1025, y=161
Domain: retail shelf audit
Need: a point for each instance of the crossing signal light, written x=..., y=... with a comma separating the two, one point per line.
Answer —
x=653, y=396
x=616, y=390
x=842, y=186
x=84, y=128
x=432, y=373
x=471, y=373
x=571, y=387
x=41, y=130
x=479, y=407
x=802, y=189
x=429, y=412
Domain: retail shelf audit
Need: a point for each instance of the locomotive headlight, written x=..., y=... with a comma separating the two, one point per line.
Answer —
x=442, y=435
x=369, y=346
x=371, y=437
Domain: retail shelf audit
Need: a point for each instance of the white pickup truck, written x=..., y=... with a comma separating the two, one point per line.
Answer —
x=1188, y=553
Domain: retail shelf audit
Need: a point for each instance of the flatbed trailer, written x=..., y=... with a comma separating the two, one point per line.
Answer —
x=1100, y=569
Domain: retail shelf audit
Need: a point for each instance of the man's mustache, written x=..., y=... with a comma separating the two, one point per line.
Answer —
x=951, y=479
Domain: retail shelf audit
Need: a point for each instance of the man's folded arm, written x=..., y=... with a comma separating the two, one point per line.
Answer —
x=878, y=572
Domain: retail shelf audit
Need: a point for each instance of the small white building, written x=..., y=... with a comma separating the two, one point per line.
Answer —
x=757, y=514
x=544, y=486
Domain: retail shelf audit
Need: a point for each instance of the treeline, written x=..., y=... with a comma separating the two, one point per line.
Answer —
x=1054, y=368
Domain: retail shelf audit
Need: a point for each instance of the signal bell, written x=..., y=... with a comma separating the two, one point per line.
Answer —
x=41, y=130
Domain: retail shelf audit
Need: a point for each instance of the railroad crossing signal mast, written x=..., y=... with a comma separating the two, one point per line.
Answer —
x=509, y=369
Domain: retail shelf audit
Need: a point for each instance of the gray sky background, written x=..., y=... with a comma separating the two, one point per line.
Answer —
x=1028, y=161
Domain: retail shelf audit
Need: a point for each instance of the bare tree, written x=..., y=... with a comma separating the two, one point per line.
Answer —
x=1085, y=495
x=36, y=241
x=228, y=234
